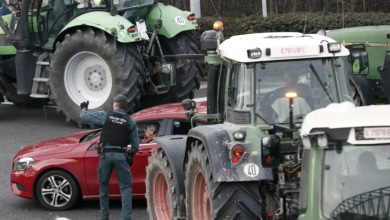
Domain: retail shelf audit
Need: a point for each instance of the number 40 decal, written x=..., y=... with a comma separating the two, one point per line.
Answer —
x=180, y=20
x=251, y=170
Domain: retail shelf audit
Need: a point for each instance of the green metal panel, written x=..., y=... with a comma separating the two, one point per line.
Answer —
x=373, y=37
x=174, y=20
x=5, y=46
x=114, y=25
x=314, y=184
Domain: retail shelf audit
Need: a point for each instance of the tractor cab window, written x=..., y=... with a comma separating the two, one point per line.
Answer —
x=240, y=94
x=310, y=84
x=356, y=179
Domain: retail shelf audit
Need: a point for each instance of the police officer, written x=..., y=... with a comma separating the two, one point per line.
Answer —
x=119, y=130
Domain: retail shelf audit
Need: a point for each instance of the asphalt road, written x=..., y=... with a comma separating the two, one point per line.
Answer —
x=24, y=126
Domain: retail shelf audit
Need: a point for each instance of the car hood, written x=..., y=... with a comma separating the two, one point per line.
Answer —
x=53, y=146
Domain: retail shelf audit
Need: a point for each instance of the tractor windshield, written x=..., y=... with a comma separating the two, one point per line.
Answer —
x=356, y=182
x=315, y=83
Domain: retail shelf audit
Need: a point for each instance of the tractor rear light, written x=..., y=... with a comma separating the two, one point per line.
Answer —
x=237, y=153
x=238, y=150
x=191, y=17
x=235, y=160
x=131, y=29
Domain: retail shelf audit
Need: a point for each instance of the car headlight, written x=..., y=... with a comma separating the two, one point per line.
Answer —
x=23, y=163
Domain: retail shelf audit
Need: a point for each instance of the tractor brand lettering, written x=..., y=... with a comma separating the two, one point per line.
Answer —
x=371, y=44
x=251, y=170
x=180, y=20
x=116, y=120
x=292, y=50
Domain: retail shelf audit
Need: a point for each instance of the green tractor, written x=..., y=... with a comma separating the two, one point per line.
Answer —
x=346, y=163
x=70, y=51
x=369, y=60
x=246, y=164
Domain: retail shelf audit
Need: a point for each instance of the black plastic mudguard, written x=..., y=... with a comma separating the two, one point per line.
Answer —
x=215, y=139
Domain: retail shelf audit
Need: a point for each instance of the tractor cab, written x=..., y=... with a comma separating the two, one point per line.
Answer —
x=347, y=163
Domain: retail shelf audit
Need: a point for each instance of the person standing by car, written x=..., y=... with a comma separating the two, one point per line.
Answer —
x=119, y=130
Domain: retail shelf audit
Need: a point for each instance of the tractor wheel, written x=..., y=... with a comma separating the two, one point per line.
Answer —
x=57, y=190
x=187, y=75
x=19, y=100
x=160, y=188
x=356, y=98
x=207, y=199
x=90, y=65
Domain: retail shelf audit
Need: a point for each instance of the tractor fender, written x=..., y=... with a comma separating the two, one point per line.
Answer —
x=362, y=85
x=173, y=19
x=114, y=25
x=174, y=148
x=215, y=139
x=385, y=74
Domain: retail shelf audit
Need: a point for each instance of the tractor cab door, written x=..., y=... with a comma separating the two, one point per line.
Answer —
x=358, y=58
x=48, y=17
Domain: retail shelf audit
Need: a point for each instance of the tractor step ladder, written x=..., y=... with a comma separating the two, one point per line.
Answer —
x=36, y=91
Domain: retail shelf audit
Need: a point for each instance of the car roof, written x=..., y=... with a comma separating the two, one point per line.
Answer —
x=173, y=110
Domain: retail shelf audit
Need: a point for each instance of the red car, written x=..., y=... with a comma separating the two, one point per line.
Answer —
x=61, y=171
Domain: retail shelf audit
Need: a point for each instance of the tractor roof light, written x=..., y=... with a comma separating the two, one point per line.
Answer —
x=239, y=135
x=334, y=47
x=218, y=26
x=254, y=53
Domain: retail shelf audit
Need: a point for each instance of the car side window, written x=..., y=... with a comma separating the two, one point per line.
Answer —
x=182, y=127
x=143, y=126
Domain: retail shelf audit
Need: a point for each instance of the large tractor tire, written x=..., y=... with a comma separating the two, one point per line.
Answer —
x=207, y=199
x=18, y=100
x=187, y=75
x=160, y=188
x=89, y=65
x=356, y=98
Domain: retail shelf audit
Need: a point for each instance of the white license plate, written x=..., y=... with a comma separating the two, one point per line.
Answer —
x=383, y=132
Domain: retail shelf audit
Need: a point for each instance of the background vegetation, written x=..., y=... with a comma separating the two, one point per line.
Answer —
x=308, y=16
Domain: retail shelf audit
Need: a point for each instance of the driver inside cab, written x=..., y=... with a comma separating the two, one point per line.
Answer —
x=302, y=103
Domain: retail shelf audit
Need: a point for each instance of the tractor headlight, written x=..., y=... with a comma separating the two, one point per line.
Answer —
x=239, y=135
x=254, y=53
x=23, y=163
x=306, y=141
x=322, y=141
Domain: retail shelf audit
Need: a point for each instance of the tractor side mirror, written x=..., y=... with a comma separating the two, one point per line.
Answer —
x=270, y=151
x=168, y=74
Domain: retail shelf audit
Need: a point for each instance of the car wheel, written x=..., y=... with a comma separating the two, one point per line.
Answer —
x=57, y=190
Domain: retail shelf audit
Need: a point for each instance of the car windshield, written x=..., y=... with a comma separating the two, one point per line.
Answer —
x=315, y=83
x=356, y=182
x=90, y=136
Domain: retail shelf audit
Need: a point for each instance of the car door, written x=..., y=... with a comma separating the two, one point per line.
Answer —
x=138, y=172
